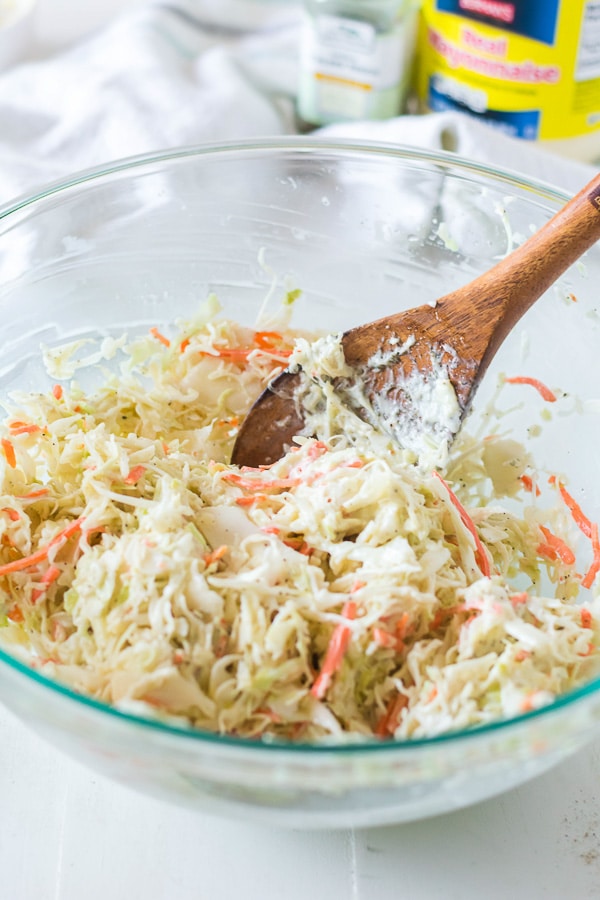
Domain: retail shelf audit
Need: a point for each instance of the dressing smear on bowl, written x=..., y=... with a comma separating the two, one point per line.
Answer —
x=341, y=593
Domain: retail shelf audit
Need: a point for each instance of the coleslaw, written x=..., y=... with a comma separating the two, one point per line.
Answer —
x=341, y=593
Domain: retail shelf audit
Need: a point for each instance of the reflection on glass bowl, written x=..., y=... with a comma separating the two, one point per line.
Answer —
x=365, y=231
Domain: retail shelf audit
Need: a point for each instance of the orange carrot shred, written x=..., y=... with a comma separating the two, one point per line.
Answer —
x=252, y=484
x=23, y=428
x=9, y=452
x=390, y=719
x=540, y=387
x=184, y=345
x=12, y=514
x=586, y=618
x=581, y=520
x=134, y=474
x=216, y=555
x=250, y=501
x=237, y=355
x=561, y=550
x=57, y=391
x=357, y=586
x=267, y=340
x=160, y=337
x=338, y=644
x=480, y=553
x=50, y=575
x=384, y=638
x=40, y=555
x=527, y=482
x=15, y=615
x=590, y=575
x=402, y=626
x=32, y=495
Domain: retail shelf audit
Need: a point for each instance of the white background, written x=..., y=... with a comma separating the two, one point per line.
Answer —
x=67, y=834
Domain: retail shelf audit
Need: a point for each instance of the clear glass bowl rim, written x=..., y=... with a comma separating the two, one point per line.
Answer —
x=308, y=146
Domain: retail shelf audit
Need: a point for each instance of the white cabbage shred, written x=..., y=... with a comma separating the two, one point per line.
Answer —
x=341, y=593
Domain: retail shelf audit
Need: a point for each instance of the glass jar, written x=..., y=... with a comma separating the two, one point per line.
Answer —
x=356, y=59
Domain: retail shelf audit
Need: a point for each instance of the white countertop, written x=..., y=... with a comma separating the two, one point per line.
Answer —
x=68, y=834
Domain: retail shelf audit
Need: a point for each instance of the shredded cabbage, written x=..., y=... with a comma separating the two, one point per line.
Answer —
x=341, y=593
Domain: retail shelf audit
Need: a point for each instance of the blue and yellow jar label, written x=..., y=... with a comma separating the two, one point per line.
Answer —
x=530, y=68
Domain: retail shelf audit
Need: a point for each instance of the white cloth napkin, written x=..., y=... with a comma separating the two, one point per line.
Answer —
x=201, y=71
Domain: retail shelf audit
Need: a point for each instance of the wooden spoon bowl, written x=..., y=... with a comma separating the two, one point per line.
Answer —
x=459, y=335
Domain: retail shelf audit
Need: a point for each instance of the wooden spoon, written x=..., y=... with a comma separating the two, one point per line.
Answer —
x=459, y=335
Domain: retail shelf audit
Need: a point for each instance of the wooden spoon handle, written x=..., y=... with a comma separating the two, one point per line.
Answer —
x=503, y=294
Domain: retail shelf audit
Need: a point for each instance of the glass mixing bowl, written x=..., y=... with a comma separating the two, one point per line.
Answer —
x=363, y=231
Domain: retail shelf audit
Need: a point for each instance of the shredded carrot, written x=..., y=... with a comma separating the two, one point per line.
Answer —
x=299, y=544
x=15, y=615
x=315, y=450
x=338, y=644
x=160, y=337
x=233, y=421
x=588, y=578
x=237, y=355
x=586, y=618
x=519, y=599
x=581, y=520
x=384, y=638
x=390, y=719
x=32, y=495
x=540, y=387
x=267, y=340
x=270, y=529
x=250, y=501
x=134, y=474
x=271, y=341
x=184, y=345
x=558, y=548
x=252, y=484
x=402, y=626
x=40, y=555
x=520, y=655
x=57, y=391
x=23, y=428
x=590, y=649
x=12, y=514
x=50, y=575
x=480, y=553
x=215, y=555
x=527, y=482
x=9, y=452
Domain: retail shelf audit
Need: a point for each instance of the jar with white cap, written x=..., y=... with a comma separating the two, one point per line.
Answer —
x=356, y=59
